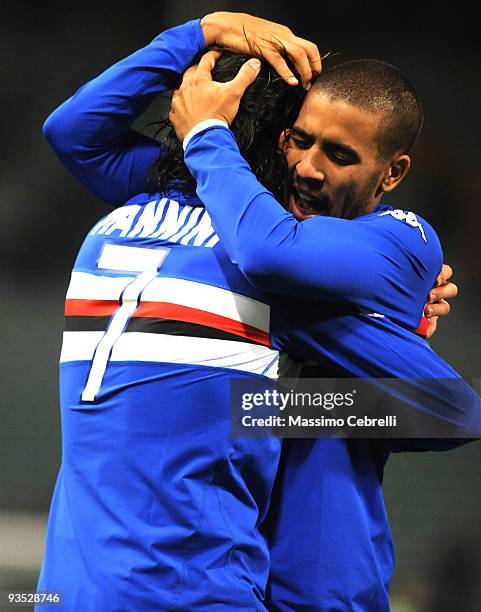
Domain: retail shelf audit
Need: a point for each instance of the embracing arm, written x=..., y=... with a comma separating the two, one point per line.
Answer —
x=366, y=261
x=228, y=189
x=91, y=132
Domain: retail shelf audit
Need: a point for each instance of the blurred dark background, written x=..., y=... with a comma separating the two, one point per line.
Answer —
x=49, y=50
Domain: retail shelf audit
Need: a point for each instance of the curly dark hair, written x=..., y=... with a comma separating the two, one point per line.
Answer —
x=268, y=107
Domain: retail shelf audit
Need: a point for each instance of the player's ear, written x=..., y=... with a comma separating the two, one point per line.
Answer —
x=283, y=139
x=395, y=172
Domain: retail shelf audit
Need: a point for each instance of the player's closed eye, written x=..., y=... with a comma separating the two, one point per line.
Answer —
x=300, y=143
x=339, y=158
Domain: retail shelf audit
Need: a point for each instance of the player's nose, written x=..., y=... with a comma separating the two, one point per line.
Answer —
x=309, y=168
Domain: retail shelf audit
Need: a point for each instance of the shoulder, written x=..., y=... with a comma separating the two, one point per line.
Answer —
x=412, y=230
x=408, y=219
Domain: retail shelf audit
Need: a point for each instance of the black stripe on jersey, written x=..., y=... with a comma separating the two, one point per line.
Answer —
x=154, y=326
x=86, y=323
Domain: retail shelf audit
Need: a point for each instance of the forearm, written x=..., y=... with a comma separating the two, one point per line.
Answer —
x=91, y=132
x=230, y=193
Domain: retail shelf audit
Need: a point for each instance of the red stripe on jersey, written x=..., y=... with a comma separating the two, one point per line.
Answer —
x=422, y=330
x=90, y=308
x=165, y=310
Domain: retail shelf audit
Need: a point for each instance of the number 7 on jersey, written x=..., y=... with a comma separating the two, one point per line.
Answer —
x=145, y=263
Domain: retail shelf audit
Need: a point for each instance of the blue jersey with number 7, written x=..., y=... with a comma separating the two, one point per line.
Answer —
x=156, y=506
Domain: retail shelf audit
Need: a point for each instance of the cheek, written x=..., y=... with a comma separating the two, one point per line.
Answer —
x=342, y=180
x=348, y=192
x=292, y=158
x=354, y=184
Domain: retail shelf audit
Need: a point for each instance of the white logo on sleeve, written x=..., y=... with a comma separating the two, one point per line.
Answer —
x=409, y=217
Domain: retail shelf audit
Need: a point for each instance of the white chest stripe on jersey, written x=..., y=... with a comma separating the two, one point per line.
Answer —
x=162, y=348
x=85, y=286
x=409, y=217
x=147, y=294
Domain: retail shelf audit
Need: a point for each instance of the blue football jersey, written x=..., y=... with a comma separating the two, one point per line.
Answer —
x=353, y=292
x=156, y=506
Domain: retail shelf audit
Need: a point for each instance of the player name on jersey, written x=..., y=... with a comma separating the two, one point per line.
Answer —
x=163, y=219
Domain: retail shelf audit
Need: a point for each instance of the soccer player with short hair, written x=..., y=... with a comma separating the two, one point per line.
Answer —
x=330, y=542
x=156, y=507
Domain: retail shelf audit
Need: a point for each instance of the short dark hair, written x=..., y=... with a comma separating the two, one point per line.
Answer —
x=268, y=107
x=376, y=86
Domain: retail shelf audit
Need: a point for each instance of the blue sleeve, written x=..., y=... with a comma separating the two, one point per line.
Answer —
x=91, y=132
x=376, y=262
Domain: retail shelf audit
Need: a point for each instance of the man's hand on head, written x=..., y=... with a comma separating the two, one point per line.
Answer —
x=437, y=306
x=243, y=33
x=200, y=98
